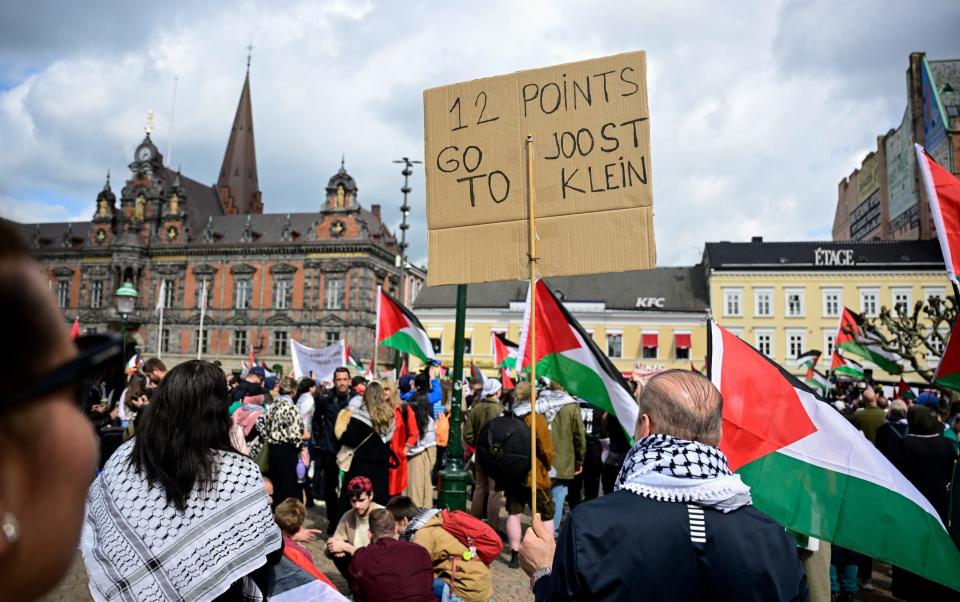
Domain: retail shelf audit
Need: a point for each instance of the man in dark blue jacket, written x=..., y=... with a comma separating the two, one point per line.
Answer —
x=326, y=473
x=679, y=525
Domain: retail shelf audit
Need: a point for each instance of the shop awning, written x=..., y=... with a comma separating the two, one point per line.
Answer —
x=650, y=340
x=682, y=341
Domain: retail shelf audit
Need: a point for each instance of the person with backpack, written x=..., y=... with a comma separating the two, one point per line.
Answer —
x=565, y=422
x=487, y=500
x=519, y=497
x=461, y=547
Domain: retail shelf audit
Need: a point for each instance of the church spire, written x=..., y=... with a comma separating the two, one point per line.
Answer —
x=237, y=185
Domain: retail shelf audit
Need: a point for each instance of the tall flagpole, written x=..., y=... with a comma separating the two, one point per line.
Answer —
x=203, y=312
x=160, y=334
x=532, y=334
x=376, y=335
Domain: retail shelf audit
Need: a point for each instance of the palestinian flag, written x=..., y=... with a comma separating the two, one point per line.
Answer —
x=808, y=359
x=398, y=328
x=813, y=472
x=134, y=363
x=943, y=194
x=476, y=375
x=948, y=370
x=844, y=366
x=855, y=336
x=505, y=380
x=352, y=362
x=904, y=391
x=816, y=380
x=504, y=351
x=568, y=355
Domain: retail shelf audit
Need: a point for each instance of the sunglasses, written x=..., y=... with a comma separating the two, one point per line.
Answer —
x=97, y=351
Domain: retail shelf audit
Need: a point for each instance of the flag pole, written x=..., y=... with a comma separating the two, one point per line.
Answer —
x=532, y=336
x=160, y=334
x=203, y=311
x=376, y=335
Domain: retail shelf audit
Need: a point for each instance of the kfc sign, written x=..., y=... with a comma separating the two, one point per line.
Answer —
x=650, y=302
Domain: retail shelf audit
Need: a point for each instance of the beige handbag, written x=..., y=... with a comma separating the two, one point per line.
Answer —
x=345, y=454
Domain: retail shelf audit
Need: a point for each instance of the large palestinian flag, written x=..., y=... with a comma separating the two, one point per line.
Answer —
x=568, y=355
x=855, y=336
x=504, y=351
x=813, y=472
x=943, y=193
x=948, y=370
x=398, y=328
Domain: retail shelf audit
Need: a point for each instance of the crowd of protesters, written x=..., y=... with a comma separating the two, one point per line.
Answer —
x=201, y=486
x=918, y=435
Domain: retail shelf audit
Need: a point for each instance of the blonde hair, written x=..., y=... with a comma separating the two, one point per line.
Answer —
x=390, y=392
x=381, y=414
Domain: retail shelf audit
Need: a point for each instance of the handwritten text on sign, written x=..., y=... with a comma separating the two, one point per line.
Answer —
x=590, y=126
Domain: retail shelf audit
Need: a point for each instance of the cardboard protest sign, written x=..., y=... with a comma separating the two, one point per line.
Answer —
x=593, y=186
x=318, y=364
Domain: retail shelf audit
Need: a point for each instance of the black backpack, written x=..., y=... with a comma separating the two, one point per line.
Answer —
x=503, y=450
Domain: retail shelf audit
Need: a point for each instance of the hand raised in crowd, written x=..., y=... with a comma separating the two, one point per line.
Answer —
x=306, y=535
x=537, y=548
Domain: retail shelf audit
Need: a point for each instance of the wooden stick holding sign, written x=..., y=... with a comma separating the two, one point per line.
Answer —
x=532, y=336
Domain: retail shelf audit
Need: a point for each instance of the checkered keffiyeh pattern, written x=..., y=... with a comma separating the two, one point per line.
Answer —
x=676, y=458
x=664, y=468
x=137, y=547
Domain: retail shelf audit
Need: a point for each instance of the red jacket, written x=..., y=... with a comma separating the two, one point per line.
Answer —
x=390, y=570
x=405, y=433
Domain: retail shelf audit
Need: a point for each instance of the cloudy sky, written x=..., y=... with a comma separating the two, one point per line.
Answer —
x=757, y=109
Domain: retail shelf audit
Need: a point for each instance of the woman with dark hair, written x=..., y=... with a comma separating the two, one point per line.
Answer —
x=927, y=462
x=176, y=513
x=369, y=433
x=281, y=429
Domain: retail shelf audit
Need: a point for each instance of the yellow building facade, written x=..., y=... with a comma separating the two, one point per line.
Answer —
x=643, y=320
x=787, y=298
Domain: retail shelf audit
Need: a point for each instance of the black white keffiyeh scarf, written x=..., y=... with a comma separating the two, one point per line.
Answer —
x=137, y=547
x=663, y=468
x=420, y=519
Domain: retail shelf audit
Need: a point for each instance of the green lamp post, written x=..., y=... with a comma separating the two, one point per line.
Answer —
x=126, y=298
x=453, y=479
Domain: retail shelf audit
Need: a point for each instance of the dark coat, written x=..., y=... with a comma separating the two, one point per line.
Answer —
x=389, y=570
x=372, y=458
x=246, y=388
x=626, y=547
x=327, y=406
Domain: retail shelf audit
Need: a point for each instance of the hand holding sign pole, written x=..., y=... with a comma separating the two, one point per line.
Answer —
x=533, y=327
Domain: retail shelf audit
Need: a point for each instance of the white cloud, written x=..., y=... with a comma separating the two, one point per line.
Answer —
x=756, y=113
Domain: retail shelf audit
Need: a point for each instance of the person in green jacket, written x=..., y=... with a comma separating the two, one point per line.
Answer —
x=485, y=492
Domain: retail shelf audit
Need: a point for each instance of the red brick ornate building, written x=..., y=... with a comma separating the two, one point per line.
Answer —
x=271, y=278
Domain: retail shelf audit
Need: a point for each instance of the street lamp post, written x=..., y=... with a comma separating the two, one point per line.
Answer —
x=126, y=297
x=404, y=226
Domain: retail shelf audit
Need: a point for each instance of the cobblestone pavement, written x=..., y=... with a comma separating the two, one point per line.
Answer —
x=508, y=584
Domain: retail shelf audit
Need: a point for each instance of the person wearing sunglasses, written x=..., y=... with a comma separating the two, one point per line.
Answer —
x=48, y=452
